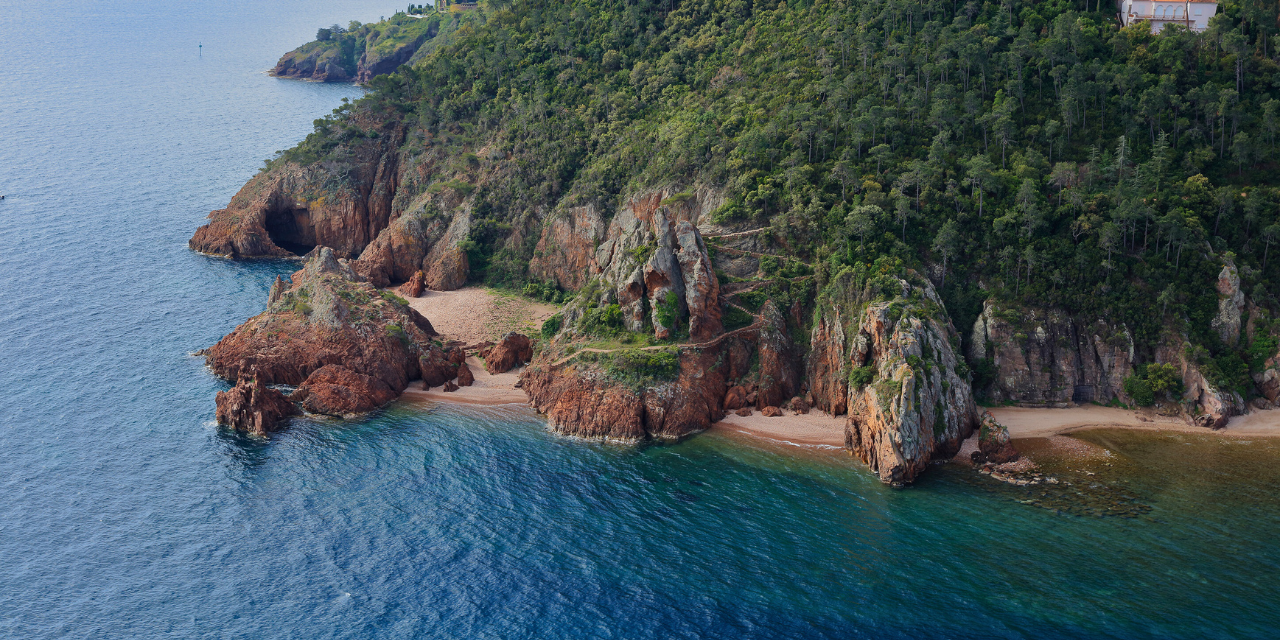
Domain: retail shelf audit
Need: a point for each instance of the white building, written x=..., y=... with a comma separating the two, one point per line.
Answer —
x=1193, y=15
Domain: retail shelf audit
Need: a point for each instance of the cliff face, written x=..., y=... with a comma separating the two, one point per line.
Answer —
x=347, y=347
x=650, y=256
x=290, y=209
x=884, y=350
x=1045, y=357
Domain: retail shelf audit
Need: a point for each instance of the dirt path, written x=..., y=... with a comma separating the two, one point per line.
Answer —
x=710, y=343
x=736, y=234
x=476, y=314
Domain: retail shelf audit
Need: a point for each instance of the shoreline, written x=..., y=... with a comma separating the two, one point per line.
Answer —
x=819, y=430
x=487, y=390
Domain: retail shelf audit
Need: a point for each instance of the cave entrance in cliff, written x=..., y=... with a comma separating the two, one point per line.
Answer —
x=291, y=229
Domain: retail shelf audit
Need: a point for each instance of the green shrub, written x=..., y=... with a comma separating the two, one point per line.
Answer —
x=397, y=332
x=641, y=365
x=752, y=300
x=602, y=321
x=862, y=376
x=668, y=311
x=1139, y=389
x=551, y=326
x=393, y=298
x=1263, y=347
x=735, y=318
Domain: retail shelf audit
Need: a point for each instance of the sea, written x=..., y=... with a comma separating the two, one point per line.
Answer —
x=125, y=512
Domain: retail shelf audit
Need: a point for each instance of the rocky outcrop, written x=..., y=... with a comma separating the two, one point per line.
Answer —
x=328, y=329
x=779, y=371
x=994, y=444
x=437, y=366
x=512, y=351
x=1209, y=406
x=413, y=288
x=338, y=391
x=1230, y=305
x=1048, y=358
x=583, y=399
x=253, y=407
x=316, y=62
x=884, y=349
x=465, y=377
x=335, y=59
x=651, y=258
x=375, y=62
x=290, y=209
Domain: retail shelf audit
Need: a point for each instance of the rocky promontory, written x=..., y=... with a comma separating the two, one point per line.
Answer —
x=345, y=345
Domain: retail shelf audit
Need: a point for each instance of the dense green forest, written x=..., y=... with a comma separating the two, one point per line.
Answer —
x=1033, y=152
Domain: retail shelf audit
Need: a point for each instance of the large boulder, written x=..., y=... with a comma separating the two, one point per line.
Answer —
x=512, y=351
x=582, y=398
x=253, y=407
x=338, y=391
x=993, y=442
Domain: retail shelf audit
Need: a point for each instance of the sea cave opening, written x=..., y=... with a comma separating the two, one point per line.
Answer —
x=291, y=229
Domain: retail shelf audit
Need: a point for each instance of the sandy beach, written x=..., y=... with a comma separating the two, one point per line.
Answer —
x=1040, y=423
x=813, y=429
x=486, y=390
x=472, y=315
x=476, y=314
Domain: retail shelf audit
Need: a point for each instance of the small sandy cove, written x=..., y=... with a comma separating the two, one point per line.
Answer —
x=818, y=429
x=472, y=315
x=476, y=314
x=1041, y=423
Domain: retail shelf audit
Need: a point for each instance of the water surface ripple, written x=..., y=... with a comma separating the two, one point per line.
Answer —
x=125, y=513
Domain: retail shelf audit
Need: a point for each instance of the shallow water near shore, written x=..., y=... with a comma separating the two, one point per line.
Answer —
x=124, y=512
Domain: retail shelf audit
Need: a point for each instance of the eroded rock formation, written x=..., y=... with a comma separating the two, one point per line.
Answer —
x=253, y=407
x=336, y=337
x=885, y=351
x=290, y=209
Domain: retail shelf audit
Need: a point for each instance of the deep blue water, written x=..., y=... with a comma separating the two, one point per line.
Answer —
x=124, y=512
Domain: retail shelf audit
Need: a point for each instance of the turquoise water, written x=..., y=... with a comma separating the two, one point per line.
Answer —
x=125, y=513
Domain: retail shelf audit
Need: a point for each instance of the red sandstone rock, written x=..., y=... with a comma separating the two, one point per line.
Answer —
x=512, y=351
x=435, y=367
x=915, y=407
x=337, y=391
x=735, y=398
x=312, y=323
x=744, y=412
x=274, y=212
x=798, y=405
x=465, y=377
x=252, y=407
x=779, y=375
x=450, y=387
x=771, y=412
x=413, y=288
x=580, y=400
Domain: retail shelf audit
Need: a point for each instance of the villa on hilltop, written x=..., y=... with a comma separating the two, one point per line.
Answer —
x=1194, y=15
